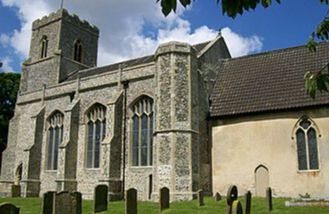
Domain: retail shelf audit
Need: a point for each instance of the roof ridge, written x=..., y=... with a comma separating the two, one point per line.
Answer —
x=275, y=51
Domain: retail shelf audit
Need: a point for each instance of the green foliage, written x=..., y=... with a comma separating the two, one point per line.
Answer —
x=317, y=82
x=9, y=84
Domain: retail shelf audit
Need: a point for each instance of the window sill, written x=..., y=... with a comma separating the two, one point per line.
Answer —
x=51, y=170
x=92, y=169
x=140, y=167
x=309, y=171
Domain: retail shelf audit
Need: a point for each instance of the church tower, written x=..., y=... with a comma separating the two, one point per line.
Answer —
x=61, y=45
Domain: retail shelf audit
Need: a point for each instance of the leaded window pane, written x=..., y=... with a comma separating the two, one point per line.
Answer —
x=90, y=144
x=305, y=123
x=50, y=147
x=96, y=134
x=312, y=149
x=142, y=132
x=301, y=150
x=55, y=137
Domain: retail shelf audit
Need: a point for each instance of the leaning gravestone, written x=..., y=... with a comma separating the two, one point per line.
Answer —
x=15, y=191
x=248, y=202
x=232, y=195
x=218, y=197
x=131, y=201
x=48, y=202
x=200, y=198
x=164, y=198
x=100, y=198
x=237, y=207
x=8, y=208
x=269, y=199
x=68, y=203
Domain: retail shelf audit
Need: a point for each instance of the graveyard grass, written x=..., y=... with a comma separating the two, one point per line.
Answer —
x=258, y=206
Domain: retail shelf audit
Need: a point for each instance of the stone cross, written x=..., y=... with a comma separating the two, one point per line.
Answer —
x=131, y=201
x=269, y=199
x=248, y=202
x=200, y=198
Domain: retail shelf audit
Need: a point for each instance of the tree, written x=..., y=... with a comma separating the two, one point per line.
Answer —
x=9, y=84
x=314, y=80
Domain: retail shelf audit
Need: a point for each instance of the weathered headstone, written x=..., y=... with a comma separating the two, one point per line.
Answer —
x=200, y=198
x=8, y=208
x=218, y=197
x=131, y=201
x=248, y=202
x=48, y=202
x=164, y=198
x=237, y=207
x=100, y=198
x=269, y=199
x=232, y=195
x=15, y=191
x=68, y=203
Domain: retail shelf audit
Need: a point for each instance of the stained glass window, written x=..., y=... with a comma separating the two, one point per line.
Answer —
x=307, y=149
x=142, y=132
x=55, y=137
x=96, y=131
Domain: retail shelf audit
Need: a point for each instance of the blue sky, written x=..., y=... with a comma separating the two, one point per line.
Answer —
x=131, y=28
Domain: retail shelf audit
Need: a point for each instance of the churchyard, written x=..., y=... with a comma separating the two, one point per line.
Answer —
x=69, y=203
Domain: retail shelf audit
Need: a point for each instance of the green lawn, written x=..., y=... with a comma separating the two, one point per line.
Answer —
x=33, y=206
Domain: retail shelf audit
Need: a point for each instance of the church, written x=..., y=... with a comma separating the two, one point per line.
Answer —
x=187, y=117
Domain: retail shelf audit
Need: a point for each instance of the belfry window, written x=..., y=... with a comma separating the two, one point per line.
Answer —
x=142, y=131
x=44, y=47
x=55, y=137
x=307, y=148
x=77, y=51
x=96, y=130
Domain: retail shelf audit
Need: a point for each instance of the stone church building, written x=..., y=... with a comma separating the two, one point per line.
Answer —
x=187, y=118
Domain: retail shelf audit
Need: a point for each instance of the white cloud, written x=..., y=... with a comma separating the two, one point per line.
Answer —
x=6, y=64
x=239, y=45
x=122, y=27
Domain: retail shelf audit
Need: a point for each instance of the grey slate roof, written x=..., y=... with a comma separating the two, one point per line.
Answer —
x=268, y=82
x=128, y=63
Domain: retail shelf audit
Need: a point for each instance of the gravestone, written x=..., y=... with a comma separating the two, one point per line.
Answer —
x=269, y=199
x=8, y=208
x=131, y=201
x=100, y=198
x=232, y=195
x=237, y=207
x=164, y=198
x=200, y=198
x=15, y=191
x=68, y=203
x=248, y=202
x=48, y=202
x=218, y=197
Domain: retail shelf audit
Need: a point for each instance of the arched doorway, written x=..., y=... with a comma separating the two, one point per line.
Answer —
x=261, y=180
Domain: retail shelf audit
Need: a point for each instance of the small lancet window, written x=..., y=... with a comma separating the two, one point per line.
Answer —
x=44, y=46
x=307, y=148
x=77, y=51
x=96, y=131
x=142, y=132
x=55, y=137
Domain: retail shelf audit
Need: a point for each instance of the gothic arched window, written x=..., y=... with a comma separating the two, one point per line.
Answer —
x=96, y=130
x=44, y=46
x=307, y=148
x=142, y=131
x=55, y=137
x=77, y=51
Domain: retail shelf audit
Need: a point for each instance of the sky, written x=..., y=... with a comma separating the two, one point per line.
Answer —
x=134, y=28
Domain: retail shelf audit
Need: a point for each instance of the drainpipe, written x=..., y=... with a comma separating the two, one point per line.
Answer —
x=125, y=87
